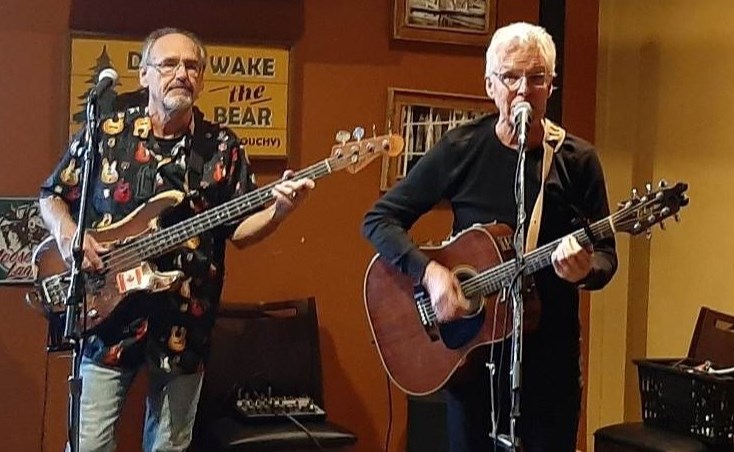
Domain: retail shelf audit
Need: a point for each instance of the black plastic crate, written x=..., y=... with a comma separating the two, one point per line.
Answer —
x=677, y=398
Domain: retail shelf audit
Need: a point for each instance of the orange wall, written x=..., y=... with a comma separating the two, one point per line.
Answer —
x=342, y=63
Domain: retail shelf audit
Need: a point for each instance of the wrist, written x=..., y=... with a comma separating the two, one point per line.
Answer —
x=429, y=268
x=65, y=230
x=584, y=282
x=278, y=214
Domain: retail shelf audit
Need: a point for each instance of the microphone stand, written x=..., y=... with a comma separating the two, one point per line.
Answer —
x=516, y=286
x=76, y=296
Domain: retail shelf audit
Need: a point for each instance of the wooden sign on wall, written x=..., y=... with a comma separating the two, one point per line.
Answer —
x=245, y=88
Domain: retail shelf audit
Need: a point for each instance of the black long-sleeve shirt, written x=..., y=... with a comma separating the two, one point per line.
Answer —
x=475, y=172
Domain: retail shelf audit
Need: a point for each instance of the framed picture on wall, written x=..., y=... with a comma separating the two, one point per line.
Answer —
x=468, y=22
x=21, y=230
x=421, y=118
x=246, y=88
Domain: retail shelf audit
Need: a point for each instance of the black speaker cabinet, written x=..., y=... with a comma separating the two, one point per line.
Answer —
x=427, y=424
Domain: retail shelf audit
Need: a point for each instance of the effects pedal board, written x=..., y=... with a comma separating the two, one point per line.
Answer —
x=265, y=408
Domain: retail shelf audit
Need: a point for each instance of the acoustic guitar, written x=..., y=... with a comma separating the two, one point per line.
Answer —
x=420, y=354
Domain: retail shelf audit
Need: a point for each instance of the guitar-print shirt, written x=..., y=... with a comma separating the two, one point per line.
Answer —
x=168, y=329
x=472, y=170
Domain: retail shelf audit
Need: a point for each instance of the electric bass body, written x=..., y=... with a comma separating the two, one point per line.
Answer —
x=125, y=272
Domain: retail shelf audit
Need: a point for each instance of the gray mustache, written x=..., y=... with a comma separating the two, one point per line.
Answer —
x=186, y=87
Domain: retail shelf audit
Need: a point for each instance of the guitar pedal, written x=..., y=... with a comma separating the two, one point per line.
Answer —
x=266, y=408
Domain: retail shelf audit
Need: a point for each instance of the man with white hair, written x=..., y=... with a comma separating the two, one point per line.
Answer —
x=473, y=167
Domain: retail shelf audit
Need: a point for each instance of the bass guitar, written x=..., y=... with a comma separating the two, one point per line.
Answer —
x=147, y=234
x=420, y=354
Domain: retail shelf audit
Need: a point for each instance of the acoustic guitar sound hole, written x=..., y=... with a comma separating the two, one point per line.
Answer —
x=458, y=333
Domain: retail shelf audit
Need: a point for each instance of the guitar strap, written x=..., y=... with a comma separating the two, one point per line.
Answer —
x=552, y=140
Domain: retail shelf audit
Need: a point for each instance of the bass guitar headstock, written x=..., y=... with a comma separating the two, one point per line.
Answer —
x=356, y=154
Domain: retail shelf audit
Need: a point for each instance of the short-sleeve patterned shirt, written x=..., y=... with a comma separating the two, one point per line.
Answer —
x=170, y=329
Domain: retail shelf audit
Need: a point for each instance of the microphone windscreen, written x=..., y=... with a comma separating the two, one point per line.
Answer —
x=108, y=73
x=520, y=109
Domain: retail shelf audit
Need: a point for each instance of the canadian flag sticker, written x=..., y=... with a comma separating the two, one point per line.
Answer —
x=130, y=280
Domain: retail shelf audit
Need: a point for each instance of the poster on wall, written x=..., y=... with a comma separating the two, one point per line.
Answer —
x=21, y=230
x=245, y=87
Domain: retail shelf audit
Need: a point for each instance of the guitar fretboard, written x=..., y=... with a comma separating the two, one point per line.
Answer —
x=166, y=239
x=500, y=276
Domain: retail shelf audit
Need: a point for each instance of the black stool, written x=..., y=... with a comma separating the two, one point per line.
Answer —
x=227, y=434
x=637, y=437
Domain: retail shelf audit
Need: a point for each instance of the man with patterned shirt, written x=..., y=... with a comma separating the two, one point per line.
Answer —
x=144, y=151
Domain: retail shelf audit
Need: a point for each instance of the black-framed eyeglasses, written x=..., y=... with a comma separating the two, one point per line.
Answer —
x=169, y=67
x=512, y=81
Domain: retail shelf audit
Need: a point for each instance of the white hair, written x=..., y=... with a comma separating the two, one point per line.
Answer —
x=524, y=34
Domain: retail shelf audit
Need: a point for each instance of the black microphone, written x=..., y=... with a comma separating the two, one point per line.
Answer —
x=522, y=115
x=106, y=79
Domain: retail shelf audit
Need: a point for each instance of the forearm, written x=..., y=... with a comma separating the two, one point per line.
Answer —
x=56, y=216
x=603, y=267
x=604, y=258
x=386, y=225
x=256, y=227
x=391, y=240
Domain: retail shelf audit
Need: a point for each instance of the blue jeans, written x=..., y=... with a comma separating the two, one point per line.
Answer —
x=170, y=408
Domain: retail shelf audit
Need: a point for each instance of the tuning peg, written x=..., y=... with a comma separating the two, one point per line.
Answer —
x=342, y=136
x=662, y=225
x=374, y=131
x=636, y=196
x=358, y=133
x=663, y=183
x=648, y=188
x=677, y=218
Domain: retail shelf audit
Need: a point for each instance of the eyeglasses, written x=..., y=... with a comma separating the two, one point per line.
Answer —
x=512, y=81
x=169, y=67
